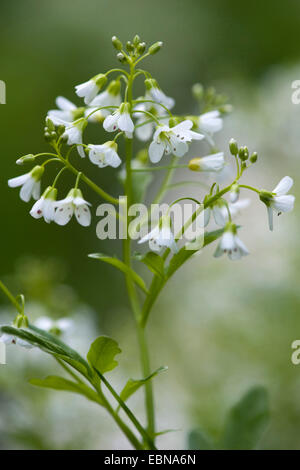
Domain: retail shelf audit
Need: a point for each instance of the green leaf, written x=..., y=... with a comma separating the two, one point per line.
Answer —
x=102, y=354
x=198, y=440
x=183, y=255
x=133, y=385
x=59, y=383
x=122, y=267
x=246, y=421
x=49, y=344
x=153, y=261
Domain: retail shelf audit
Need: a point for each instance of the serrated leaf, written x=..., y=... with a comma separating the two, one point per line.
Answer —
x=122, y=267
x=59, y=383
x=102, y=354
x=133, y=385
x=198, y=440
x=246, y=421
x=183, y=255
x=153, y=261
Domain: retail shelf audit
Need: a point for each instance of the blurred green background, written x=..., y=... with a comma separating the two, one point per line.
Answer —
x=232, y=324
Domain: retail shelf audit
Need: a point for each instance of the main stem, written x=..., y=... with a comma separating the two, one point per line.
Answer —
x=132, y=294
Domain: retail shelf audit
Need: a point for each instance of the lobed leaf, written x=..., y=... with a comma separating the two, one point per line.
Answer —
x=102, y=354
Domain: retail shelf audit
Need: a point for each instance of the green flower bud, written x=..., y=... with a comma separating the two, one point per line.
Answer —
x=121, y=57
x=253, y=157
x=155, y=47
x=48, y=137
x=129, y=46
x=50, y=124
x=117, y=43
x=136, y=40
x=233, y=147
x=243, y=153
x=141, y=47
x=198, y=91
x=25, y=159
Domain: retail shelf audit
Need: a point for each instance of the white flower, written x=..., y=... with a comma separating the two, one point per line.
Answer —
x=30, y=183
x=10, y=339
x=278, y=201
x=210, y=122
x=110, y=97
x=214, y=162
x=120, y=119
x=161, y=236
x=67, y=111
x=45, y=206
x=220, y=211
x=74, y=132
x=88, y=90
x=105, y=154
x=231, y=244
x=54, y=326
x=144, y=127
x=73, y=203
x=156, y=94
x=172, y=140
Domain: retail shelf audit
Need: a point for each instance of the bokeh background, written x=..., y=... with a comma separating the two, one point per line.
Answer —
x=221, y=327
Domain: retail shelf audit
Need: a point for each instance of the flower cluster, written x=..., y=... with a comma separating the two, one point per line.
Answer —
x=149, y=117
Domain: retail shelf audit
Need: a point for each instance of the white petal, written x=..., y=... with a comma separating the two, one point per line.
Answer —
x=219, y=215
x=156, y=151
x=83, y=215
x=283, y=186
x=145, y=131
x=65, y=104
x=37, y=209
x=125, y=123
x=18, y=181
x=87, y=90
x=179, y=148
x=283, y=203
x=241, y=246
x=26, y=190
x=110, y=123
x=36, y=190
x=63, y=214
x=228, y=241
x=49, y=210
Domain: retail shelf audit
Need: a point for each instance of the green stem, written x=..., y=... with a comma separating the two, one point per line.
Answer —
x=132, y=294
x=167, y=179
x=129, y=413
x=11, y=297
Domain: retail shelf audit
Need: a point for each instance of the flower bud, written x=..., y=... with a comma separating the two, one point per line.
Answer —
x=129, y=46
x=234, y=193
x=141, y=47
x=155, y=47
x=121, y=57
x=198, y=91
x=233, y=147
x=136, y=40
x=50, y=125
x=253, y=157
x=117, y=43
x=244, y=153
x=25, y=159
